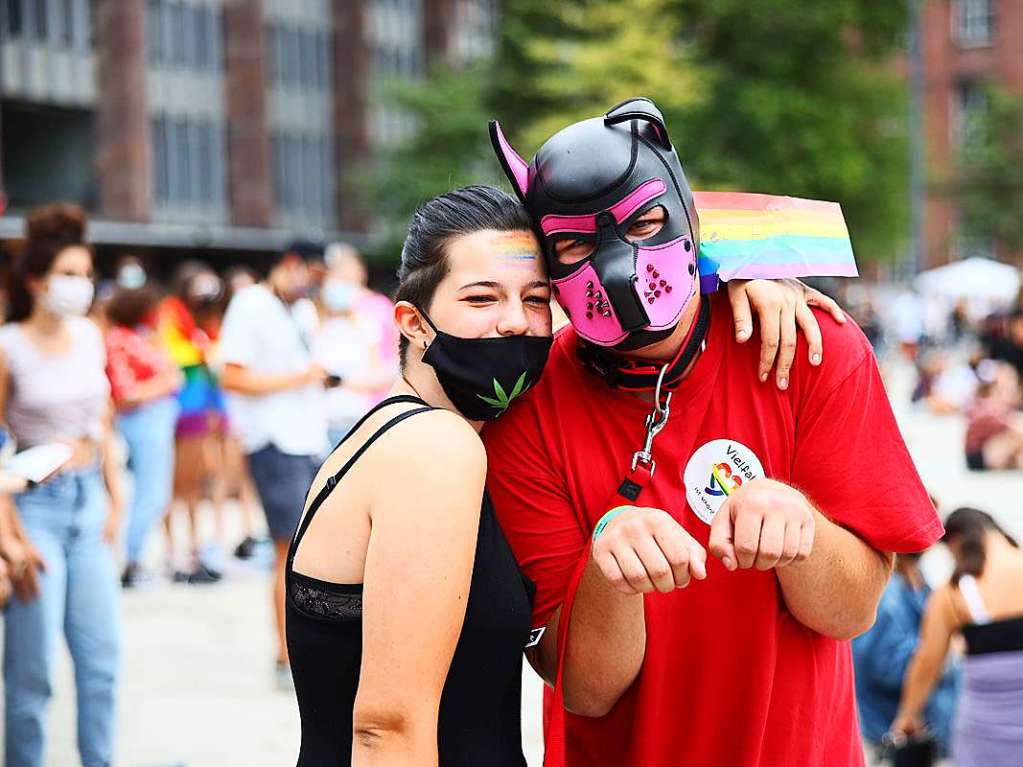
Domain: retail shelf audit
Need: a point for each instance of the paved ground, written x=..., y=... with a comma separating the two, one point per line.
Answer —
x=198, y=685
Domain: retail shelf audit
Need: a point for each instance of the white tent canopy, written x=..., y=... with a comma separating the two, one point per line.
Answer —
x=972, y=278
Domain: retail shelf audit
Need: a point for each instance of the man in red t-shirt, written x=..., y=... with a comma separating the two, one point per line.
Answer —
x=612, y=494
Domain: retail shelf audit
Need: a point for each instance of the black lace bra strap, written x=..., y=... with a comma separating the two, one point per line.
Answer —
x=332, y=481
x=379, y=406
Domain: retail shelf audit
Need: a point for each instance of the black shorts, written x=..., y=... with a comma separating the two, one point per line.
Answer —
x=975, y=461
x=282, y=481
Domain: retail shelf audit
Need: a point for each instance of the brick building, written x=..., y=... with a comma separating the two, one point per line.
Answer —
x=217, y=125
x=965, y=45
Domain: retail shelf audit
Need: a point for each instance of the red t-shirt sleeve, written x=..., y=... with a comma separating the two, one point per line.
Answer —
x=851, y=461
x=530, y=497
x=120, y=372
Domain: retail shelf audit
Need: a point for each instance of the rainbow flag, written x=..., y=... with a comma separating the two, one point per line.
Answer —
x=747, y=236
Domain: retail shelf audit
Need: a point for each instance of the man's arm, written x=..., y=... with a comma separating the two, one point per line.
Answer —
x=831, y=580
x=241, y=380
x=836, y=590
x=640, y=551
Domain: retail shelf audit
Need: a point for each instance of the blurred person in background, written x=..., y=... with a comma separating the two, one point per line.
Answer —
x=344, y=263
x=188, y=325
x=907, y=313
x=881, y=656
x=304, y=310
x=946, y=384
x=131, y=274
x=236, y=468
x=53, y=388
x=347, y=346
x=983, y=602
x=279, y=401
x=1004, y=339
x=959, y=325
x=144, y=382
x=994, y=425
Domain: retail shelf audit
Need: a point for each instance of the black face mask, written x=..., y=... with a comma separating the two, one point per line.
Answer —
x=483, y=376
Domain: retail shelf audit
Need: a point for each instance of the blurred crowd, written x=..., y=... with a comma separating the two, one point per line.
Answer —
x=164, y=361
x=940, y=673
x=167, y=401
x=967, y=358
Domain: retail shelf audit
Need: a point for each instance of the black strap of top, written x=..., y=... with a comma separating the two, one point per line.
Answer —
x=379, y=406
x=332, y=481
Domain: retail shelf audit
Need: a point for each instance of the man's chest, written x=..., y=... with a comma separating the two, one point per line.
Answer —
x=707, y=451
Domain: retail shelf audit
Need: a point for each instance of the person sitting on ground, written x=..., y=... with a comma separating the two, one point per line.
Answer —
x=994, y=428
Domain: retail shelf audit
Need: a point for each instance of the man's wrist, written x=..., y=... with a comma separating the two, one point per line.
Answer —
x=605, y=520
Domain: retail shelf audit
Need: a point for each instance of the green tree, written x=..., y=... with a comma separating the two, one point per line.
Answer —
x=804, y=100
x=591, y=54
x=449, y=148
x=795, y=97
x=989, y=179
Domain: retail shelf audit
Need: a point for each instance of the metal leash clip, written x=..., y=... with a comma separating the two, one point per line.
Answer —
x=656, y=421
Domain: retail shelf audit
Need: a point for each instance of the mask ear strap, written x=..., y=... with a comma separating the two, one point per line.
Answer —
x=426, y=317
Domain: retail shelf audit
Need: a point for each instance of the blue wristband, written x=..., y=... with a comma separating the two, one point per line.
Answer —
x=605, y=520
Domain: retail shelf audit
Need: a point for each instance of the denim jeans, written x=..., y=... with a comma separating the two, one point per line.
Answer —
x=149, y=432
x=64, y=519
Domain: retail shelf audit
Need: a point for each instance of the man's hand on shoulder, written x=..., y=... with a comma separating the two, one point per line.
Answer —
x=764, y=524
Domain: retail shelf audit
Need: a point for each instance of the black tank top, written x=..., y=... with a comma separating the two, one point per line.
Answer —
x=479, y=720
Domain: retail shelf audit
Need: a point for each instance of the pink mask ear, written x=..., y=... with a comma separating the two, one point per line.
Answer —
x=514, y=166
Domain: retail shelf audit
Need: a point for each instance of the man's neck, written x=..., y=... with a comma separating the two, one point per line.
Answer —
x=280, y=296
x=666, y=350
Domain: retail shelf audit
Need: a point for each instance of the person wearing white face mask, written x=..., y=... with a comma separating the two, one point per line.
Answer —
x=58, y=537
x=347, y=346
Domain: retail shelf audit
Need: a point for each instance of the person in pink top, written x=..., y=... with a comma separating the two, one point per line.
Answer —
x=344, y=264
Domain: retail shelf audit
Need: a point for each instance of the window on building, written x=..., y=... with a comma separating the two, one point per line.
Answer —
x=10, y=19
x=971, y=246
x=188, y=161
x=973, y=21
x=154, y=36
x=161, y=189
x=216, y=38
x=302, y=176
x=969, y=110
x=190, y=26
x=41, y=19
x=67, y=31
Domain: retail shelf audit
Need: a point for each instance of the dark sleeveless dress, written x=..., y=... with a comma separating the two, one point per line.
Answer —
x=479, y=720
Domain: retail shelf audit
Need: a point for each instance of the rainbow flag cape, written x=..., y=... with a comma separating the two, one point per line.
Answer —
x=761, y=236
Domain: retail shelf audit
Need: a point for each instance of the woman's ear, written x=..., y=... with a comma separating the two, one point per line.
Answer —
x=412, y=325
x=36, y=285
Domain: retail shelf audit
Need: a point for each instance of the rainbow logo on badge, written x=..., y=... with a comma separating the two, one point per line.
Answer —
x=722, y=482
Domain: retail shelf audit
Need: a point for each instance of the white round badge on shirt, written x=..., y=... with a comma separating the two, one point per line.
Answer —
x=715, y=470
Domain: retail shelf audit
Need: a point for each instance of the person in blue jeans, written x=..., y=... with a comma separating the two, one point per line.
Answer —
x=881, y=656
x=143, y=381
x=58, y=536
